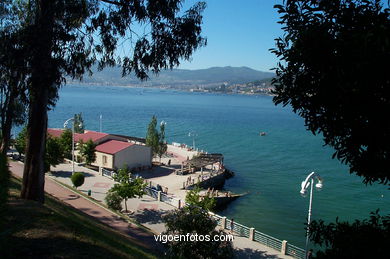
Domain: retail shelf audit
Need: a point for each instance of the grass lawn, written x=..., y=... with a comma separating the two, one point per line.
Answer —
x=56, y=230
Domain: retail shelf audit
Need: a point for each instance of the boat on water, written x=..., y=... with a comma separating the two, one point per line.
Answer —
x=222, y=198
x=262, y=133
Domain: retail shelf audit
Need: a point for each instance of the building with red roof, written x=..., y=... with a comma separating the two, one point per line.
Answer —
x=112, y=151
x=114, y=154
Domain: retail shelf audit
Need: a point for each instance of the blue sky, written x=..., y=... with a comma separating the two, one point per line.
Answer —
x=239, y=33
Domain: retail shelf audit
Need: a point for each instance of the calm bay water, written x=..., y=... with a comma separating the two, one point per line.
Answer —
x=271, y=168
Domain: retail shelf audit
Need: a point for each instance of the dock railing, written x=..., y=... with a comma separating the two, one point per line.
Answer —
x=283, y=246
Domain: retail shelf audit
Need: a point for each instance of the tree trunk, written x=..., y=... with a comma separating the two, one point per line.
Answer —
x=125, y=205
x=34, y=169
x=6, y=133
x=7, y=114
x=42, y=80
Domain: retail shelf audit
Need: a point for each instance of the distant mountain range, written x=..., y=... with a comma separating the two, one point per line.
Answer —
x=180, y=77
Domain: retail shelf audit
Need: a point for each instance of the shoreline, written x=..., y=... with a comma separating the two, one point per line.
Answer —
x=167, y=88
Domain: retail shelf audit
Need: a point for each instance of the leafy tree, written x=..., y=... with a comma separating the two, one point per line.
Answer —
x=193, y=198
x=77, y=179
x=194, y=221
x=12, y=83
x=66, y=143
x=20, y=141
x=334, y=73
x=79, y=125
x=113, y=200
x=362, y=239
x=62, y=38
x=87, y=151
x=54, y=153
x=155, y=139
x=152, y=139
x=127, y=187
x=162, y=144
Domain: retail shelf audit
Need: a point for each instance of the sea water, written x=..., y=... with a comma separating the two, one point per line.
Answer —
x=271, y=167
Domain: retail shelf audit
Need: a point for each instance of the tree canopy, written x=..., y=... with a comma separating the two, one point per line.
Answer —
x=333, y=71
x=193, y=220
x=155, y=139
x=366, y=238
x=54, y=154
x=87, y=151
x=206, y=202
x=127, y=187
x=62, y=39
x=79, y=124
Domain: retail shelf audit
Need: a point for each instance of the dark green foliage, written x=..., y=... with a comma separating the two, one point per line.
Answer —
x=66, y=143
x=127, y=187
x=77, y=179
x=113, y=200
x=152, y=135
x=12, y=83
x=334, y=72
x=61, y=39
x=4, y=184
x=87, y=151
x=162, y=144
x=193, y=198
x=156, y=140
x=368, y=238
x=194, y=220
x=54, y=153
x=79, y=125
x=20, y=141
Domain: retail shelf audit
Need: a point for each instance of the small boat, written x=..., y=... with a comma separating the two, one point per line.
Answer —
x=262, y=133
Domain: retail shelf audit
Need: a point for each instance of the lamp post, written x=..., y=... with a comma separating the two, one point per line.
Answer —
x=100, y=122
x=65, y=125
x=309, y=181
x=193, y=135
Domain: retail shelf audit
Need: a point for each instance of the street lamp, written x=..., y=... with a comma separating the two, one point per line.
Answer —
x=65, y=125
x=309, y=181
x=193, y=135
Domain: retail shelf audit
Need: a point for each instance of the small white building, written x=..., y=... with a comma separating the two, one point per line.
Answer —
x=113, y=151
x=114, y=154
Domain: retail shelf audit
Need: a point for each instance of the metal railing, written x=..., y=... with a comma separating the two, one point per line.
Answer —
x=217, y=218
x=295, y=251
x=238, y=228
x=108, y=173
x=151, y=192
x=267, y=240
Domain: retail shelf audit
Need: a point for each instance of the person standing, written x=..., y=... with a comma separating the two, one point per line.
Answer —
x=232, y=226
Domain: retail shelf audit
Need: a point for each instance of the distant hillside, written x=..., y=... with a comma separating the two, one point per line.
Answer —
x=180, y=77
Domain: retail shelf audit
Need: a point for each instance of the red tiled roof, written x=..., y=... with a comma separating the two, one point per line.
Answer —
x=87, y=135
x=113, y=146
x=55, y=132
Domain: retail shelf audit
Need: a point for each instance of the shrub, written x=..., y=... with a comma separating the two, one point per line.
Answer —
x=114, y=201
x=77, y=179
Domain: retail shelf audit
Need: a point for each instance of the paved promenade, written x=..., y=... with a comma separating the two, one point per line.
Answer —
x=136, y=234
x=146, y=210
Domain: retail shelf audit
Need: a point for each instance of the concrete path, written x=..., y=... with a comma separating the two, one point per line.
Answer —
x=146, y=210
x=136, y=234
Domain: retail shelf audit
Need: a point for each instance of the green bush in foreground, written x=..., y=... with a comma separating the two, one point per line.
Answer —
x=113, y=200
x=77, y=179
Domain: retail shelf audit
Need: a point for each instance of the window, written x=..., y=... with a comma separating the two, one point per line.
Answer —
x=104, y=159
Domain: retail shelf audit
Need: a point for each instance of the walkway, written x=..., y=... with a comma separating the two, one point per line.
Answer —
x=136, y=234
x=147, y=210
